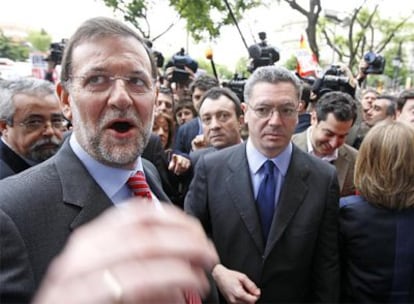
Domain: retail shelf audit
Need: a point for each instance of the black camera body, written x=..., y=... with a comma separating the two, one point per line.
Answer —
x=56, y=51
x=236, y=84
x=179, y=61
x=376, y=63
x=333, y=79
x=262, y=54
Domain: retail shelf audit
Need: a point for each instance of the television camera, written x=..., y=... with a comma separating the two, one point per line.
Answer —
x=334, y=78
x=179, y=62
x=261, y=54
x=376, y=63
x=56, y=52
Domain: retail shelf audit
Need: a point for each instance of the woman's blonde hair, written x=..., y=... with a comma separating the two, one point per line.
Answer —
x=384, y=169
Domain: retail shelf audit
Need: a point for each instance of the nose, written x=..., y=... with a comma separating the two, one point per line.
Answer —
x=48, y=130
x=214, y=124
x=274, y=118
x=119, y=96
x=335, y=142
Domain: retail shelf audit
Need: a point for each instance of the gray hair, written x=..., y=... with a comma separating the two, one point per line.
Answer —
x=26, y=86
x=273, y=75
x=99, y=27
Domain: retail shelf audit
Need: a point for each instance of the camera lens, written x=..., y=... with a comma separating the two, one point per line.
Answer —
x=369, y=57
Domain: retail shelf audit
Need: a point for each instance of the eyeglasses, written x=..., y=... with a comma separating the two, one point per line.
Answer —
x=264, y=111
x=35, y=124
x=100, y=83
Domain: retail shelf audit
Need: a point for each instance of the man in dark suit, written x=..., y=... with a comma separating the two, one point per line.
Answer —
x=221, y=115
x=109, y=95
x=279, y=245
x=332, y=120
x=31, y=124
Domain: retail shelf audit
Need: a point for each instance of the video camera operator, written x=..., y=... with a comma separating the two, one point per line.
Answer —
x=371, y=63
x=180, y=72
x=337, y=77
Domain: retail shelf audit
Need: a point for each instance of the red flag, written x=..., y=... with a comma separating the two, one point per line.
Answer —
x=307, y=64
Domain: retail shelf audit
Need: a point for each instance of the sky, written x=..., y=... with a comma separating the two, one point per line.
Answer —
x=60, y=18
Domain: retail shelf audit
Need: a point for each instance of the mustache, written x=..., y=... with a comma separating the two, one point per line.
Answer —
x=118, y=114
x=46, y=141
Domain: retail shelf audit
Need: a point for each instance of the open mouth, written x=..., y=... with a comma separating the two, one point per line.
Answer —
x=121, y=127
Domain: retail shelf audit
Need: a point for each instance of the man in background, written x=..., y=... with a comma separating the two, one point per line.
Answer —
x=332, y=119
x=405, y=106
x=221, y=116
x=384, y=107
x=31, y=124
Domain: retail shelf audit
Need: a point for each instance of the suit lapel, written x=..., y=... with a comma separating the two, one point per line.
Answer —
x=84, y=192
x=341, y=164
x=291, y=197
x=239, y=187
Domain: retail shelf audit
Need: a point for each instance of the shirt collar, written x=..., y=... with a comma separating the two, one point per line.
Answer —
x=257, y=159
x=110, y=179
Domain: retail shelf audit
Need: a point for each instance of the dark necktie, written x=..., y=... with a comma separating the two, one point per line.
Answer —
x=139, y=186
x=266, y=197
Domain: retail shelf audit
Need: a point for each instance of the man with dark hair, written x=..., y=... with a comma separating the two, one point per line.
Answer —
x=31, y=124
x=332, y=118
x=187, y=132
x=384, y=107
x=304, y=117
x=221, y=116
x=405, y=106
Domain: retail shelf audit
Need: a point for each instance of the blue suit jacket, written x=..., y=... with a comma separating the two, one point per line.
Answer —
x=377, y=246
x=185, y=135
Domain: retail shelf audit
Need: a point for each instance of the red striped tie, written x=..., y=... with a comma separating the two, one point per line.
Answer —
x=139, y=186
x=192, y=297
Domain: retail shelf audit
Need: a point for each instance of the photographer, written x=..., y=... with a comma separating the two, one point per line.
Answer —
x=180, y=72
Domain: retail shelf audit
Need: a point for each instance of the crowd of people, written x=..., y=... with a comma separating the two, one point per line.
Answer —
x=124, y=184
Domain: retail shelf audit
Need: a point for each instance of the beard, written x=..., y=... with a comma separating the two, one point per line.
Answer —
x=38, y=152
x=105, y=148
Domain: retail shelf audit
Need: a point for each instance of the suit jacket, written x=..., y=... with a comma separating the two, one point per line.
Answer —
x=39, y=208
x=10, y=162
x=299, y=262
x=377, y=246
x=196, y=155
x=344, y=164
x=185, y=134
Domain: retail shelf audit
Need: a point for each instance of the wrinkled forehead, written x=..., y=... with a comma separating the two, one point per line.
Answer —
x=100, y=54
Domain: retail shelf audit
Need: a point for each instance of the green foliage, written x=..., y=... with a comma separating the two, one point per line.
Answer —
x=365, y=30
x=223, y=72
x=40, y=40
x=204, y=18
x=12, y=50
x=291, y=63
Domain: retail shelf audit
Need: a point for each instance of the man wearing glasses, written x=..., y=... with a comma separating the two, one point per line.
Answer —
x=269, y=208
x=148, y=253
x=31, y=124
